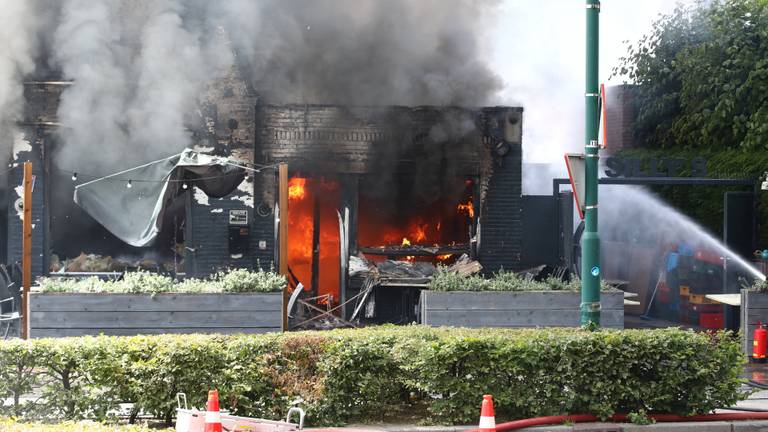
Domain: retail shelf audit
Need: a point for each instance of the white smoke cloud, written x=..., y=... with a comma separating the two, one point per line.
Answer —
x=138, y=71
x=18, y=31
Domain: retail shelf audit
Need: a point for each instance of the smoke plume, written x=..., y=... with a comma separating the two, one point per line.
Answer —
x=139, y=66
x=366, y=52
x=18, y=31
x=137, y=70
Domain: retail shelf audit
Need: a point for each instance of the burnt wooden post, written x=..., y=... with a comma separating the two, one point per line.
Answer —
x=26, y=248
x=283, y=236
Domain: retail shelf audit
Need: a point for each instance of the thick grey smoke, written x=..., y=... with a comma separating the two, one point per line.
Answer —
x=18, y=33
x=139, y=66
x=366, y=52
x=138, y=72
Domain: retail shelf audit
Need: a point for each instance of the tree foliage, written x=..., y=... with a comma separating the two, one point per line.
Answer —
x=702, y=77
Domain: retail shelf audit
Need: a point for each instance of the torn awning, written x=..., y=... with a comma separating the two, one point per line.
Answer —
x=134, y=214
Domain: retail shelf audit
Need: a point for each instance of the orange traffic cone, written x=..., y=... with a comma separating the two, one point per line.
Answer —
x=487, y=418
x=212, y=415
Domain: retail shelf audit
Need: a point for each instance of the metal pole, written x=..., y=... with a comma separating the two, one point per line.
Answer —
x=590, y=242
x=26, y=250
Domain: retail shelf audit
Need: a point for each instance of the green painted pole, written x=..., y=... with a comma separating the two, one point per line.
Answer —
x=590, y=241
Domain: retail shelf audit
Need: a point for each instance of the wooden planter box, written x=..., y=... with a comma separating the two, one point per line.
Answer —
x=515, y=309
x=60, y=315
x=754, y=308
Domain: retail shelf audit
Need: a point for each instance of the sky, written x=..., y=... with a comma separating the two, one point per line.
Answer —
x=539, y=51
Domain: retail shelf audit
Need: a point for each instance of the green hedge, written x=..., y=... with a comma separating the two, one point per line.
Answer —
x=138, y=282
x=391, y=373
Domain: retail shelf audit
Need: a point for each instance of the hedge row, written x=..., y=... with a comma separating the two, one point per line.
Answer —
x=418, y=373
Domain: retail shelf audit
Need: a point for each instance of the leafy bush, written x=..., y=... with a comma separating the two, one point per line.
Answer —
x=446, y=280
x=758, y=285
x=235, y=281
x=242, y=280
x=423, y=374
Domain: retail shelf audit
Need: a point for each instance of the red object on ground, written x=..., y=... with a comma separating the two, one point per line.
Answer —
x=617, y=418
x=487, y=417
x=759, y=344
x=711, y=320
x=708, y=257
x=212, y=414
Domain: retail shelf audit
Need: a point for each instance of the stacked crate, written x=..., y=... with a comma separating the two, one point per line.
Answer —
x=705, y=277
x=690, y=276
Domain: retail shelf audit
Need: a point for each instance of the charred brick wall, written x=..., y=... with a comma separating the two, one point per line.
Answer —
x=360, y=140
x=501, y=214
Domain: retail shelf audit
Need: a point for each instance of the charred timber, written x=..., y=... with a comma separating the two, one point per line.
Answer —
x=416, y=250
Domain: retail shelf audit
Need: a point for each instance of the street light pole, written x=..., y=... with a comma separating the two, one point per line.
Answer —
x=590, y=241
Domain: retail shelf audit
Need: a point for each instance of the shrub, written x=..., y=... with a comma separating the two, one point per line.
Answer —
x=242, y=280
x=446, y=280
x=423, y=374
x=140, y=282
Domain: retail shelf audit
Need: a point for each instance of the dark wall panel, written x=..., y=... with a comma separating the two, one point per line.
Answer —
x=539, y=231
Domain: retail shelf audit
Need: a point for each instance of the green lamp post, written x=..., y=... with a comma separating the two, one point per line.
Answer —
x=590, y=241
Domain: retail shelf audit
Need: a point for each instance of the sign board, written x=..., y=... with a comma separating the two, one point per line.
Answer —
x=616, y=166
x=576, y=172
x=238, y=217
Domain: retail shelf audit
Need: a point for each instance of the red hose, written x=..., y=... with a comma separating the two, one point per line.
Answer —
x=664, y=418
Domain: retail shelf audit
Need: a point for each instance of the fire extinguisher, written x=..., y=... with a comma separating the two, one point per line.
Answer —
x=760, y=343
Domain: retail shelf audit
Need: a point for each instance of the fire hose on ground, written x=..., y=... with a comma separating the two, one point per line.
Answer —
x=623, y=418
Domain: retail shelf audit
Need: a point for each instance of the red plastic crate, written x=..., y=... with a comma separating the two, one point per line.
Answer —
x=711, y=320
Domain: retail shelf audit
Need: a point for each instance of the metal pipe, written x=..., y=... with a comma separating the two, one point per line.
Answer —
x=590, y=242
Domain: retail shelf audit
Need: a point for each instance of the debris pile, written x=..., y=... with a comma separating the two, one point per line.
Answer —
x=94, y=263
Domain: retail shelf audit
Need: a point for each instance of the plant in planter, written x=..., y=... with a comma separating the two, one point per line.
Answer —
x=142, y=282
x=235, y=301
x=509, y=300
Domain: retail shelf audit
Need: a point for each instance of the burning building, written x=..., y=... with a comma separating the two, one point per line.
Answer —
x=123, y=85
x=413, y=184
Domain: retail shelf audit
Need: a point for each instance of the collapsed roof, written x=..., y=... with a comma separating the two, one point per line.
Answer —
x=131, y=203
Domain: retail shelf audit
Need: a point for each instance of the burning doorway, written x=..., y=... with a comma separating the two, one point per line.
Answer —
x=313, y=248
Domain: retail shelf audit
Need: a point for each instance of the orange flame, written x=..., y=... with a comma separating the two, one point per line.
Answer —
x=442, y=221
x=419, y=232
x=305, y=196
x=467, y=208
x=297, y=188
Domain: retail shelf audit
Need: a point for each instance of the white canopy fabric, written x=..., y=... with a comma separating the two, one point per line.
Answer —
x=135, y=214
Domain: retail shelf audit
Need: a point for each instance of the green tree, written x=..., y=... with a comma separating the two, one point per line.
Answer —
x=702, y=76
